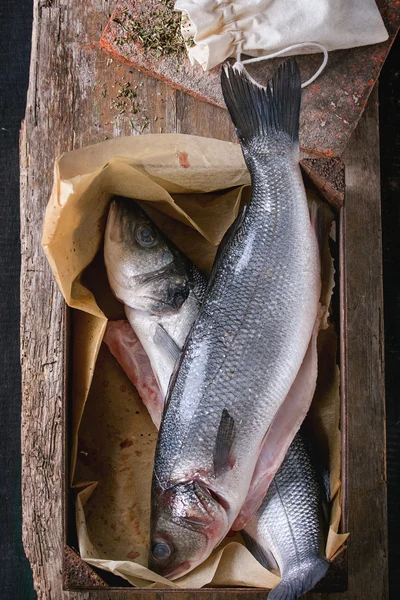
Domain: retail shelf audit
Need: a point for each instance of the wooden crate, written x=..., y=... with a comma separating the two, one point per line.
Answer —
x=77, y=575
x=67, y=109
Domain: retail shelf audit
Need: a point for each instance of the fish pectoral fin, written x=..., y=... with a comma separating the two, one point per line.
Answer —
x=164, y=340
x=223, y=458
x=263, y=555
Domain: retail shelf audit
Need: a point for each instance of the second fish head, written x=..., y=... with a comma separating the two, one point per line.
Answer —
x=145, y=270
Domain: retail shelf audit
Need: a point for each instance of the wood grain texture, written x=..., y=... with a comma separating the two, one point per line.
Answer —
x=364, y=378
x=333, y=104
x=15, y=28
x=70, y=104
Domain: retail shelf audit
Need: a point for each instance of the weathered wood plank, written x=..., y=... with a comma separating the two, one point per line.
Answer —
x=364, y=379
x=332, y=106
x=72, y=102
x=42, y=335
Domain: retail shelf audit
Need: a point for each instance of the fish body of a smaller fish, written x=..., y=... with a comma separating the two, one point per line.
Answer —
x=246, y=347
x=288, y=530
x=160, y=288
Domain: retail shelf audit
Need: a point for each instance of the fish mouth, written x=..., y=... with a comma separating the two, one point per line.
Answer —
x=174, y=295
x=176, y=572
x=179, y=571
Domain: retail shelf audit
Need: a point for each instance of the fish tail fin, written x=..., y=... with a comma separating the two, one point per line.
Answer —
x=293, y=587
x=268, y=111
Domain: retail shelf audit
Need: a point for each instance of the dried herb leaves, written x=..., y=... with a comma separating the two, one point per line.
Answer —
x=157, y=29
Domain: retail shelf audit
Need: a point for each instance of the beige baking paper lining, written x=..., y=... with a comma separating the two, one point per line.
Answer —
x=192, y=187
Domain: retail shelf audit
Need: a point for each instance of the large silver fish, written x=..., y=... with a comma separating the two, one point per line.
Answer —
x=249, y=340
x=289, y=530
x=160, y=288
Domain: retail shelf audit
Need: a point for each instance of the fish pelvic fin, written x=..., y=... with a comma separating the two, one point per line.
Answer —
x=269, y=111
x=260, y=553
x=293, y=587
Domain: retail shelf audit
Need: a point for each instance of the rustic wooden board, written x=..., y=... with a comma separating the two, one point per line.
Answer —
x=333, y=104
x=364, y=379
x=71, y=88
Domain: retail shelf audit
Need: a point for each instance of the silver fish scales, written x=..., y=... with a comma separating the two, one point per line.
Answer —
x=249, y=340
x=289, y=530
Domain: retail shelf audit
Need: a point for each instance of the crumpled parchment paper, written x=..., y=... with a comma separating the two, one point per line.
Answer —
x=192, y=188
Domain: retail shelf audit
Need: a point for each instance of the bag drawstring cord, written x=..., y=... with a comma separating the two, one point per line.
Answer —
x=240, y=63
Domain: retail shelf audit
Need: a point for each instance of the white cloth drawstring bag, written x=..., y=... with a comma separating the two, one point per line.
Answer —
x=257, y=27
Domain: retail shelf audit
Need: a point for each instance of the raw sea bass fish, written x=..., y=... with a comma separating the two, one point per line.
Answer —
x=245, y=348
x=288, y=530
x=160, y=288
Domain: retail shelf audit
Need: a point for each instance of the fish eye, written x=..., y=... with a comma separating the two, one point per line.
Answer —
x=145, y=236
x=161, y=551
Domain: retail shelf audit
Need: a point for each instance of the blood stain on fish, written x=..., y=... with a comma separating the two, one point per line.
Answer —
x=133, y=554
x=183, y=159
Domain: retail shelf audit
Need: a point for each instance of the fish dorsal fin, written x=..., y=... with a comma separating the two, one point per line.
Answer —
x=322, y=476
x=326, y=486
x=263, y=555
x=223, y=459
x=229, y=234
x=319, y=216
x=163, y=339
x=326, y=496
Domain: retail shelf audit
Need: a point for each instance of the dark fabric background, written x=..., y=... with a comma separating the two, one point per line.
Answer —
x=15, y=37
x=15, y=40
